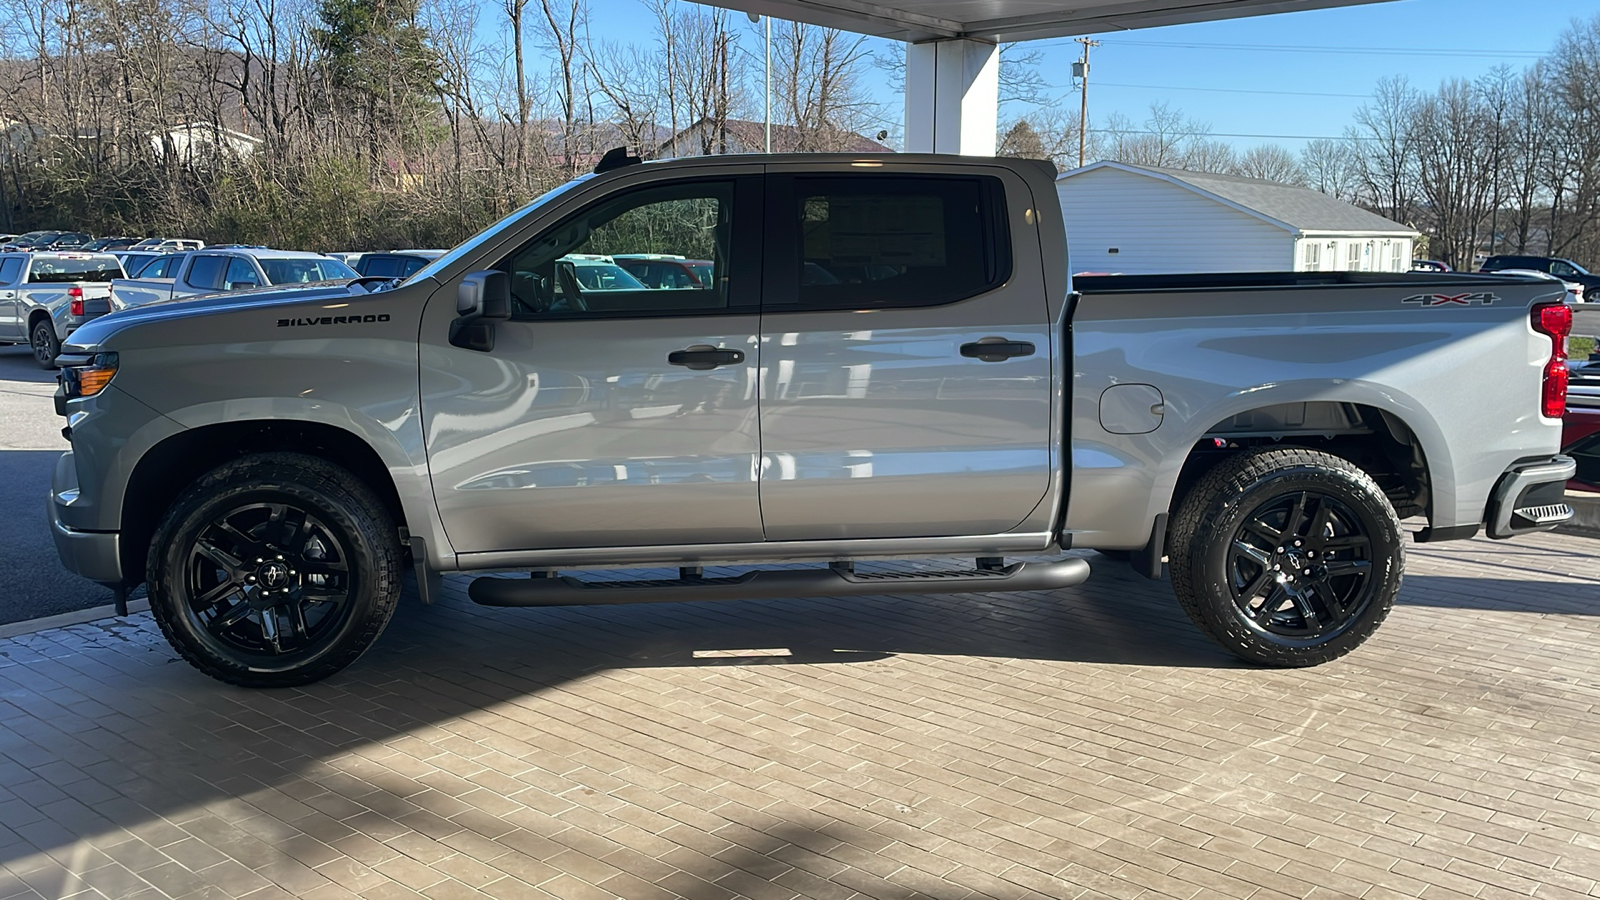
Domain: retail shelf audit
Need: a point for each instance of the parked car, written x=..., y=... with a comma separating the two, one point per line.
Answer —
x=168, y=245
x=1565, y=269
x=31, y=241
x=212, y=271
x=46, y=296
x=111, y=244
x=1429, y=265
x=134, y=261
x=1262, y=432
x=394, y=263
x=661, y=270
x=68, y=240
x=1580, y=434
x=1574, y=289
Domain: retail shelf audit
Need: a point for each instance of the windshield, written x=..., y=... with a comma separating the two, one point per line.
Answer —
x=300, y=271
x=57, y=270
x=482, y=237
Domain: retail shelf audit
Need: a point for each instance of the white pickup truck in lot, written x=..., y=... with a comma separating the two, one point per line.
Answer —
x=888, y=360
x=45, y=296
x=211, y=271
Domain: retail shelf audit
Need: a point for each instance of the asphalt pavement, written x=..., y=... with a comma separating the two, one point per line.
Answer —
x=32, y=582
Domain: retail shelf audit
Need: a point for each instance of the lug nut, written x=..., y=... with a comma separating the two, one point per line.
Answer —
x=1308, y=571
x=1276, y=567
x=1280, y=550
x=1296, y=543
x=250, y=578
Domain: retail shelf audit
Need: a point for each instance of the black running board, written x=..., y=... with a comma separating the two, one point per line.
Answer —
x=776, y=583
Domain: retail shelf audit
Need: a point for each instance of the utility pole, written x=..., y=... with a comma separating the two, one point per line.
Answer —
x=1081, y=69
x=753, y=20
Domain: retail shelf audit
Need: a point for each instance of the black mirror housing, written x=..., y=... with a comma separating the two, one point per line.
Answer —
x=482, y=299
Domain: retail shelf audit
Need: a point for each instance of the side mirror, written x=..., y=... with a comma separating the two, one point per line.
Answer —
x=482, y=299
x=241, y=285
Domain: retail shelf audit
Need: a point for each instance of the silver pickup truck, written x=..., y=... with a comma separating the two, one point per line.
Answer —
x=889, y=361
x=211, y=271
x=45, y=296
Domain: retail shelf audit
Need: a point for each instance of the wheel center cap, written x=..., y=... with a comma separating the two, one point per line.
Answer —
x=273, y=575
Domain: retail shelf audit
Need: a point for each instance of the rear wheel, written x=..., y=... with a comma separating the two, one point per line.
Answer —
x=273, y=570
x=45, y=345
x=1287, y=557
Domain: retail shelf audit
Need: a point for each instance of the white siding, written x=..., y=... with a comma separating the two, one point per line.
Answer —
x=1352, y=252
x=1159, y=227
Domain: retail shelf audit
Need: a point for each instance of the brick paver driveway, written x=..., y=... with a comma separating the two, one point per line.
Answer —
x=1086, y=743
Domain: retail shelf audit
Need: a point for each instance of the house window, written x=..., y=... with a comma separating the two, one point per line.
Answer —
x=1397, y=260
x=1313, y=257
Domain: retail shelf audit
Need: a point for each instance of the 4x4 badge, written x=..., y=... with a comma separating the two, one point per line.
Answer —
x=1468, y=299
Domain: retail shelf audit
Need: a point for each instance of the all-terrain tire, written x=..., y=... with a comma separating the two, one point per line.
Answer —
x=353, y=544
x=1222, y=548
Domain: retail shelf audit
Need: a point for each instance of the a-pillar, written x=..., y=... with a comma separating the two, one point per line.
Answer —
x=952, y=97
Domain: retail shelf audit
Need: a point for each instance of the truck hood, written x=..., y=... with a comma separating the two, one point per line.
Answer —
x=284, y=297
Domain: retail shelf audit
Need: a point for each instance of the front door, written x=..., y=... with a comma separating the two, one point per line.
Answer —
x=608, y=413
x=905, y=354
x=12, y=325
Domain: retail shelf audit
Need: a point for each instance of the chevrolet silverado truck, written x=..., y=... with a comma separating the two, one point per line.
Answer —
x=45, y=296
x=211, y=271
x=889, y=362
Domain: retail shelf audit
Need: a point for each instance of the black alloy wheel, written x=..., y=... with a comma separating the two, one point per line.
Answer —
x=45, y=346
x=1286, y=556
x=267, y=580
x=275, y=569
x=1300, y=566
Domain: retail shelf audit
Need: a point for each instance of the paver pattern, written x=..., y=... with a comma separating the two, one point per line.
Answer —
x=1082, y=743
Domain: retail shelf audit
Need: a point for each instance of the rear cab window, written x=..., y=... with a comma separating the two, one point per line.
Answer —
x=70, y=270
x=864, y=242
x=301, y=271
x=206, y=272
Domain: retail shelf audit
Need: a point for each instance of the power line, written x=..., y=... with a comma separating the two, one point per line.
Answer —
x=1235, y=134
x=1173, y=87
x=1354, y=51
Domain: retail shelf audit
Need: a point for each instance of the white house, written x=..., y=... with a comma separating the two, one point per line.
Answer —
x=1144, y=220
x=202, y=139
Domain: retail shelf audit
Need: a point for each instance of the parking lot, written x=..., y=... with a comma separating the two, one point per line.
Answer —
x=1082, y=743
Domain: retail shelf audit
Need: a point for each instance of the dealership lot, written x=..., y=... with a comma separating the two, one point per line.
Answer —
x=1084, y=743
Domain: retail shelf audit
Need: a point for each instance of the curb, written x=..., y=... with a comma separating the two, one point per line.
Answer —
x=76, y=617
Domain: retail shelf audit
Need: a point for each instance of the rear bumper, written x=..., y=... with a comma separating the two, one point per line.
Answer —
x=1530, y=497
x=95, y=555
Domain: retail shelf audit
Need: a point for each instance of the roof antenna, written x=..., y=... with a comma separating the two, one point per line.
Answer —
x=616, y=158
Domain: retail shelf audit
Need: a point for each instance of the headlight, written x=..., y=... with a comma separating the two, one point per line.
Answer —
x=87, y=376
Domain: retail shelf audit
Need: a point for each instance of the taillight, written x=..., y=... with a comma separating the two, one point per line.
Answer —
x=1555, y=321
x=76, y=293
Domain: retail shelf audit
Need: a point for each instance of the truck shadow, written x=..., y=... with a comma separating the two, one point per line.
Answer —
x=17, y=364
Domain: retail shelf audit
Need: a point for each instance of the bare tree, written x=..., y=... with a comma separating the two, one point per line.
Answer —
x=1386, y=148
x=1331, y=167
x=1271, y=162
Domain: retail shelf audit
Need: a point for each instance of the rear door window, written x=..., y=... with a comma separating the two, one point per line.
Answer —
x=10, y=269
x=241, y=274
x=864, y=242
x=206, y=272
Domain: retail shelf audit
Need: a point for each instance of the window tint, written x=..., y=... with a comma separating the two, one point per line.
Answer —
x=302, y=271
x=380, y=266
x=1557, y=267
x=241, y=275
x=10, y=269
x=570, y=271
x=874, y=241
x=206, y=272
x=59, y=270
x=161, y=267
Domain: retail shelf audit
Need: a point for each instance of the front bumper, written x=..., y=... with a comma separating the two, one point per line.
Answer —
x=1531, y=497
x=95, y=555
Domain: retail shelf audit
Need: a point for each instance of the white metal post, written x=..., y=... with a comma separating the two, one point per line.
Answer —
x=952, y=97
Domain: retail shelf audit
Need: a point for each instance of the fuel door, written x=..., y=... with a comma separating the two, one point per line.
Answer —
x=1131, y=409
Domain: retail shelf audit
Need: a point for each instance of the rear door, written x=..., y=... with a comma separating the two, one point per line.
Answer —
x=905, y=355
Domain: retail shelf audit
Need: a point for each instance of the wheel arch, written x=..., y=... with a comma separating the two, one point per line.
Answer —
x=1381, y=431
x=175, y=462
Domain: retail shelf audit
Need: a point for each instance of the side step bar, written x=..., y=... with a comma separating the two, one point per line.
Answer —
x=776, y=583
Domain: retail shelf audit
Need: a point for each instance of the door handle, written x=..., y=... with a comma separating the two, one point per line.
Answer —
x=996, y=349
x=702, y=357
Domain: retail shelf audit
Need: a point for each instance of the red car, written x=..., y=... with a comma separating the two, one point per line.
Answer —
x=1580, y=434
x=662, y=270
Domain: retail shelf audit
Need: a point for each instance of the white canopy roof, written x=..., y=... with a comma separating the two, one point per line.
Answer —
x=1012, y=20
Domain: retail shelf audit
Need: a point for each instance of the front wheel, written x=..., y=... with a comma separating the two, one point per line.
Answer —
x=45, y=345
x=273, y=570
x=1287, y=557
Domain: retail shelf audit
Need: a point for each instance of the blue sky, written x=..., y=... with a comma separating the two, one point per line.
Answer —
x=1207, y=69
